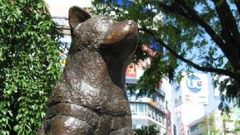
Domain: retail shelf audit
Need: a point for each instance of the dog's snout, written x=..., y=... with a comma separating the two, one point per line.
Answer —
x=132, y=26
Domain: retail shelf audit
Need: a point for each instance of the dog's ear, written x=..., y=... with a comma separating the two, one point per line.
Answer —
x=77, y=15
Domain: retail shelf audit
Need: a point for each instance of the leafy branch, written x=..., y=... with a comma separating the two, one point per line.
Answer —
x=189, y=62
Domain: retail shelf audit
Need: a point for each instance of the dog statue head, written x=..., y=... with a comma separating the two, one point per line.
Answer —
x=115, y=41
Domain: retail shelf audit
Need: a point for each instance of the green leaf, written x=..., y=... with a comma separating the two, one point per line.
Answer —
x=25, y=48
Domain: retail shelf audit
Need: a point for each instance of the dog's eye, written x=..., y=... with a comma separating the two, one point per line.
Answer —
x=110, y=21
x=107, y=20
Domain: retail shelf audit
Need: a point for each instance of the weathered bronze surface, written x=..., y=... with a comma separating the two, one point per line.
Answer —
x=90, y=98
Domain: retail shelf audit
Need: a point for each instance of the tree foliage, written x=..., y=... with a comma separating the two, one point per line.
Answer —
x=216, y=124
x=195, y=35
x=208, y=125
x=146, y=130
x=29, y=64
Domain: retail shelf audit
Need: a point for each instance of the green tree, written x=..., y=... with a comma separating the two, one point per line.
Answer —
x=216, y=124
x=237, y=126
x=29, y=64
x=208, y=125
x=195, y=34
x=146, y=130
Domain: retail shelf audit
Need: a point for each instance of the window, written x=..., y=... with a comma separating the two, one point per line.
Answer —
x=194, y=127
x=141, y=108
x=134, y=126
x=154, y=98
x=133, y=107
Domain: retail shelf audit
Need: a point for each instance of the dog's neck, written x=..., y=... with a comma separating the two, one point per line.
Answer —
x=90, y=66
x=86, y=66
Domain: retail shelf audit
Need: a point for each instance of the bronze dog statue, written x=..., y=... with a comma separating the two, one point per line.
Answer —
x=90, y=98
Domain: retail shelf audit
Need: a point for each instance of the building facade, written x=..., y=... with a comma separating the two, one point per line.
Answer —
x=217, y=124
x=146, y=110
x=190, y=99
